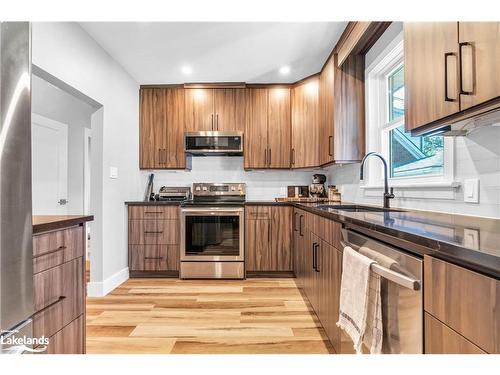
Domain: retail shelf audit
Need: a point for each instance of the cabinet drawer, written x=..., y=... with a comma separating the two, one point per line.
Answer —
x=58, y=296
x=441, y=339
x=258, y=212
x=54, y=248
x=153, y=212
x=466, y=301
x=329, y=231
x=69, y=340
x=154, y=257
x=151, y=232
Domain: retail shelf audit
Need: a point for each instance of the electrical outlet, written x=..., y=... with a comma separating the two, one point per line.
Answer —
x=471, y=190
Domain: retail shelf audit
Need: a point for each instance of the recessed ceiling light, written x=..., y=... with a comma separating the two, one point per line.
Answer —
x=285, y=70
x=186, y=70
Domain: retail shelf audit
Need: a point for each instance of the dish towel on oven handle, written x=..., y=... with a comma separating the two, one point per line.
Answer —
x=360, y=313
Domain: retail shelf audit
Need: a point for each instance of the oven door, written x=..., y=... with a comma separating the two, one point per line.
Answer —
x=212, y=234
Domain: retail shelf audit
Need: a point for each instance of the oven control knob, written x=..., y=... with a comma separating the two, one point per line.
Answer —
x=233, y=188
x=205, y=188
x=197, y=188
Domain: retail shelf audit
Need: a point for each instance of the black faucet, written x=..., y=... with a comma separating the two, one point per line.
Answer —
x=387, y=195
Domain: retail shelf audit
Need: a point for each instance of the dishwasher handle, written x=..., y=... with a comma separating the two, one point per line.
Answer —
x=389, y=274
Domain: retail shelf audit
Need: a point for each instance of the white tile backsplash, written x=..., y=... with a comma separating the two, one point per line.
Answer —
x=261, y=185
x=476, y=156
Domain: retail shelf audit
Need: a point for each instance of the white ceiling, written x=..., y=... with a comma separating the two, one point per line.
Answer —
x=155, y=52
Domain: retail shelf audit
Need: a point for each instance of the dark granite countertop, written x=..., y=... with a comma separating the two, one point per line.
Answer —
x=44, y=223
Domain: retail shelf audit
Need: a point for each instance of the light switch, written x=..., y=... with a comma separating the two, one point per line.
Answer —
x=471, y=238
x=113, y=172
x=471, y=190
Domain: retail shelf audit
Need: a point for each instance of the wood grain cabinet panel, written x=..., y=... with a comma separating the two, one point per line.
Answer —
x=305, y=126
x=255, y=138
x=229, y=109
x=466, y=301
x=258, y=244
x=281, y=239
x=279, y=128
x=199, y=110
x=153, y=212
x=258, y=212
x=440, y=339
x=431, y=91
x=162, y=128
x=326, y=111
x=480, y=59
x=69, y=340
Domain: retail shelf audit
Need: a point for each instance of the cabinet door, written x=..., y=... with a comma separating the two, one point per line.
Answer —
x=199, y=110
x=230, y=108
x=305, y=126
x=326, y=108
x=69, y=340
x=279, y=128
x=329, y=265
x=431, y=91
x=281, y=238
x=255, y=137
x=441, y=339
x=173, y=155
x=480, y=59
x=258, y=245
x=299, y=247
x=152, y=128
x=311, y=275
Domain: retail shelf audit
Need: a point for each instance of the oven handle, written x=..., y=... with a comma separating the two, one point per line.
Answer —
x=213, y=211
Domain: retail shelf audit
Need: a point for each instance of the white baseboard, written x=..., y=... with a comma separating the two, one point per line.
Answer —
x=101, y=288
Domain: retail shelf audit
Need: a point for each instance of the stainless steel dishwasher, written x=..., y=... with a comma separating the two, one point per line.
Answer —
x=401, y=295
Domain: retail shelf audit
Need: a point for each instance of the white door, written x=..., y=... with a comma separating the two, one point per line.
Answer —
x=49, y=146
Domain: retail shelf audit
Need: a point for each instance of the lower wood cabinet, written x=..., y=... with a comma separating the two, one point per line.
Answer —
x=465, y=301
x=153, y=240
x=319, y=268
x=59, y=289
x=268, y=239
x=441, y=339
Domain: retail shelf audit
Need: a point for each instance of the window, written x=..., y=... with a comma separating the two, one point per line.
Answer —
x=410, y=159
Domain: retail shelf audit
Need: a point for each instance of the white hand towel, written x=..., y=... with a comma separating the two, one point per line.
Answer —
x=354, y=295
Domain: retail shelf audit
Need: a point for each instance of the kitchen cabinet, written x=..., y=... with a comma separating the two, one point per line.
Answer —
x=349, y=114
x=153, y=240
x=479, y=52
x=268, y=237
x=162, y=128
x=59, y=290
x=268, y=128
x=326, y=111
x=215, y=109
x=440, y=339
x=463, y=300
x=318, y=268
x=450, y=72
x=305, y=124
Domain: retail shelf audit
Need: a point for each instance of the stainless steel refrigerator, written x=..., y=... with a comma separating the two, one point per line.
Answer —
x=16, y=253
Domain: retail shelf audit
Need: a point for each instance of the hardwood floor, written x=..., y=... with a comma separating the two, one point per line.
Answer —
x=208, y=316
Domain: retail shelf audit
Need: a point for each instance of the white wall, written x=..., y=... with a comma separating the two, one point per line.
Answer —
x=261, y=185
x=67, y=52
x=53, y=103
x=476, y=156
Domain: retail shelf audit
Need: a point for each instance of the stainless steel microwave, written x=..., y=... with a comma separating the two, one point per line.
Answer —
x=214, y=143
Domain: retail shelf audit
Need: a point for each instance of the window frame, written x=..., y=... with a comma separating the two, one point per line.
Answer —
x=378, y=126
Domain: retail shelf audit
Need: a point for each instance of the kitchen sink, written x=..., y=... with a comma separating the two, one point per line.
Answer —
x=357, y=208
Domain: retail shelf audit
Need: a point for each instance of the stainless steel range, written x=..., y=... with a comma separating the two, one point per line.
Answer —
x=212, y=232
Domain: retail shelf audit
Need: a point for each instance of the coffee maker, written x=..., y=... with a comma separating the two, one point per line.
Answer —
x=317, y=188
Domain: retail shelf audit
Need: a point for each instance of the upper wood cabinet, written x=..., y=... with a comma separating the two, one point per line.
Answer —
x=215, y=109
x=305, y=124
x=479, y=44
x=431, y=74
x=162, y=128
x=349, y=114
x=268, y=128
x=451, y=72
x=326, y=111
